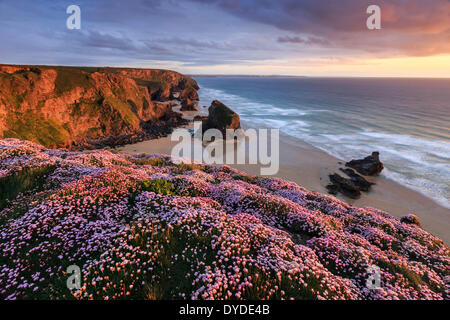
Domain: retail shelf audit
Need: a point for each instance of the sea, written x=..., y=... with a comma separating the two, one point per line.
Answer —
x=406, y=120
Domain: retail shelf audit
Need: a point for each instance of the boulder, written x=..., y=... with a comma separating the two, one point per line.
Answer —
x=221, y=117
x=369, y=166
x=343, y=185
x=362, y=183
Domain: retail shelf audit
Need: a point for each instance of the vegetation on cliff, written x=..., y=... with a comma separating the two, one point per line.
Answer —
x=141, y=226
x=82, y=106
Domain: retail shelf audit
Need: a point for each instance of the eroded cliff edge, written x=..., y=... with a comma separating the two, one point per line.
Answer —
x=85, y=107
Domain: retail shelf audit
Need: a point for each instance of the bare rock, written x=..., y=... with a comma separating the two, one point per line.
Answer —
x=343, y=185
x=189, y=93
x=221, y=117
x=188, y=105
x=362, y=183
x=369, y=166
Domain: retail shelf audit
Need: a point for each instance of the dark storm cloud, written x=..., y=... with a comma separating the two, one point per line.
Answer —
x=341, y=16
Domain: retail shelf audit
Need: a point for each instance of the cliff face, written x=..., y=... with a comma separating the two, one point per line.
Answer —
x=71, y=106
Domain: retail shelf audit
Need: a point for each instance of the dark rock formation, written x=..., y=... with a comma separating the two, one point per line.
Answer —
x=151, y=130
x=411, y=219
x=188, y=98
x=362, y=183
x=343, y=185
x=332, y=189
x=369, y=166
x=221, y=117
x=188, y=105
x=189, y=93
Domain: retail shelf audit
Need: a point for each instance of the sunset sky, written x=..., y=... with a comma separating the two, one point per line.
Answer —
x=286, y=37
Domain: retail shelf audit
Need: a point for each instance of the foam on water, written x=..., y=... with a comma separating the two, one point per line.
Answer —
x=413, y=160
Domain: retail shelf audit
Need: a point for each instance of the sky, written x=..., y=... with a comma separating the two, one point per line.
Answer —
x=258, y=37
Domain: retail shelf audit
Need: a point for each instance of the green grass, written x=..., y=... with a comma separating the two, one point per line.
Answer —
x=159, y=186
x=88, y=107
x=27, y=179
x=183, y=167
x=30, y=126
x=67, y=79
x=414, y=279
x=247, y=179
x=156, y=162
x=152, y=84
x=124, y=109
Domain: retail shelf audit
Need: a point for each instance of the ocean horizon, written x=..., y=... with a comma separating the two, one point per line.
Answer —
x=405, y=119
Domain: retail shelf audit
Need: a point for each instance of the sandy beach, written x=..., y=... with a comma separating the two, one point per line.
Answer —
x=309, y=167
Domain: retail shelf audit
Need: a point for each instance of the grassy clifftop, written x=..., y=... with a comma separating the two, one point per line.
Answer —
x=66, y=106
x=143, y=227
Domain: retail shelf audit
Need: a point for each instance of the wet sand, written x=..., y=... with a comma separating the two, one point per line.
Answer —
x=310, y=167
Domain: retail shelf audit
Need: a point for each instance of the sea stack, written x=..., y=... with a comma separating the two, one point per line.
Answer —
x=222, y=118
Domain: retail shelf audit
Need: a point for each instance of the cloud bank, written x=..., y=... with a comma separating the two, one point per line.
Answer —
x=202, y=33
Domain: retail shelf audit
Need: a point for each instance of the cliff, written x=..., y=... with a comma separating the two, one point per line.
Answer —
x=78, y=107
x=143, y=227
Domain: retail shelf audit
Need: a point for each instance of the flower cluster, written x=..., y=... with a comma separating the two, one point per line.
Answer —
x=143, y=227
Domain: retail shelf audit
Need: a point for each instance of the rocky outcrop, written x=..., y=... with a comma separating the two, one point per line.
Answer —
x=221, y=117
x=369, y=166
x=189, y=93
x=78, y=107
x=163, y=85
x=359, y=181
x=344, y=186
x=188, y=98
x=188, y=105
x=350, y=187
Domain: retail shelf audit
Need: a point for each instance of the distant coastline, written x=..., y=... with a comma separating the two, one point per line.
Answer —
x=310, y=76
x=245, y=76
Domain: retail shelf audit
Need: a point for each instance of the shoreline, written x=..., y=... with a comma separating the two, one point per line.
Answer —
x=309, y=167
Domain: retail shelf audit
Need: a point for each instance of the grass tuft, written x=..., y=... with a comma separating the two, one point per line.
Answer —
x=159, y=186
